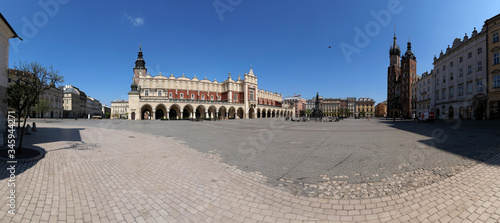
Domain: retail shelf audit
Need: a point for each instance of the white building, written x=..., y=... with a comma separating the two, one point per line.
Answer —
x=424, y=88
x=460, y=78
x=119, y=109
x=6, y=33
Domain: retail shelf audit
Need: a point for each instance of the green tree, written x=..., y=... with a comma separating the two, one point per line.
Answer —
x=43, y=106
x=308, y=112
x=30, y=80
x=107, y=114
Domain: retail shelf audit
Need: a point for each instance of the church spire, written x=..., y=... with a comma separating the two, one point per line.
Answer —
x=140, y=63
x=394, y=48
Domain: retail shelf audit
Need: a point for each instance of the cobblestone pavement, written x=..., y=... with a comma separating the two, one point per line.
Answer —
x=106, y=175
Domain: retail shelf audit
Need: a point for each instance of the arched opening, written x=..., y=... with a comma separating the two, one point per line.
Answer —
x=468, y=112
x=211, y=112
x=269, y=113
x=461, y=112
x=438, y=114
x=264, y=113
x=274, y=113
x=258, y=113
x=187, y=112
x=146, y=112
x=240, y=113
x=161, y=112
x=222, y=112
x=450, y=112
x=51, y=114
x=251, y=112
x=200, y=112
x=175, y=112
x=232, y=112
x=133, y=116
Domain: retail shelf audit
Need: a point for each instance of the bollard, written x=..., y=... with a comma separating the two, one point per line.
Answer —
x=28, y=130
x=34, y=127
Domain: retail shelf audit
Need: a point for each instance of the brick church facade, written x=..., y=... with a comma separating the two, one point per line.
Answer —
x=401, y=75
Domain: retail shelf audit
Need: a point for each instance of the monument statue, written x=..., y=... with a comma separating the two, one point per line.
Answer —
x=316, y=112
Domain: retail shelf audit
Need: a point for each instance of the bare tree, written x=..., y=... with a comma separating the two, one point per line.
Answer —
x=30, y=80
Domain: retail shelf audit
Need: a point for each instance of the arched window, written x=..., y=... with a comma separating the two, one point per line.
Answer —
x=146, y=92
x=182, y=95
x=170, y=95
x=212, y=97
x=192, y=96
x=202, y=97
x=159, y=92
x=235, y=97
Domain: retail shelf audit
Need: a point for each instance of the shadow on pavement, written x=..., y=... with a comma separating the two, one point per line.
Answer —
x=478, y=140
x=42, y=135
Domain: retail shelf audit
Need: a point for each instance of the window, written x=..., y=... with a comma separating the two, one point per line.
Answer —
x=444, y=78
x=461, y=72
x=496, y=81
x=437, y=94
x=212, y=97
x=496, y=58
x=460, y=89
x=159, y=92
x=182, y=95
x=202, y=97
x=218, y=98
x=479, y=65
x=235, y=97
x=469, y=55
x=192, y=96
x=443, y=93
x=480, y=85
x=451, y=64
x=170, y=95
x=469, y=87
x=461, y=59
x=451, y=92
x=146, y=92
x=451, y=76
x=469, y=69
x=495, y=37
x=479, y=50
x=444, y=68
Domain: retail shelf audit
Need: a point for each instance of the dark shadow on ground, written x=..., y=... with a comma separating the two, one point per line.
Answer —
x=42, y=135
x=474, y=139
x=16, y=168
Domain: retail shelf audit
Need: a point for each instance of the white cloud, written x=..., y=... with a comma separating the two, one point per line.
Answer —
x=136, y=21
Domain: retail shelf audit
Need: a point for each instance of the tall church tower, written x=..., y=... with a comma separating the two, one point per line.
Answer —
x=401, y=74
x=393, y=78
x=140, y=66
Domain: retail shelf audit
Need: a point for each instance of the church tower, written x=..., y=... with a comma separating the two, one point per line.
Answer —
x=401, y=74
x=140, y=66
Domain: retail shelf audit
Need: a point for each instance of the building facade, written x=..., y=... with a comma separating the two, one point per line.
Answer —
x=6, y=33
x=351, y=106
x=365, y=107
x=424, y=93
x=401, y=74
x=298, y=103
x=119, y=109
x=54, y=96
x=106, y=111
x=381, y=109
x=493, y=51
x=460, y=79
x=73, y=103
x=162, y=97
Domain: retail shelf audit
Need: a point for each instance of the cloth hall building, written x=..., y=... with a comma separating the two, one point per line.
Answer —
x=162, y=97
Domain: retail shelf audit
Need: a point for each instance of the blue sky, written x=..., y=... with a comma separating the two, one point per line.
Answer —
x=94, y=44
